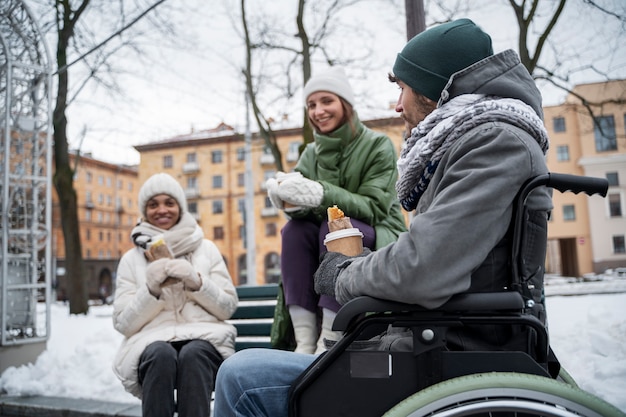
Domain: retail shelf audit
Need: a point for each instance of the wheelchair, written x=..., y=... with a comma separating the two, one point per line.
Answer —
x=419, y=375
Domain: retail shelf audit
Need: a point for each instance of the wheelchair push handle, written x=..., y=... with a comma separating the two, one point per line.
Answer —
x=577, y=184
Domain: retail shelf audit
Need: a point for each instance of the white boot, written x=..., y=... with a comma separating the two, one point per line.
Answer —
x=304, y=328
x=328, y=317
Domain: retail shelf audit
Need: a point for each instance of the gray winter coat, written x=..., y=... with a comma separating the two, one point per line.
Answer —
x=457, y=242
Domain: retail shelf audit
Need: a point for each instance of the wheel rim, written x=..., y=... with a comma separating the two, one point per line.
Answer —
x=510, y=392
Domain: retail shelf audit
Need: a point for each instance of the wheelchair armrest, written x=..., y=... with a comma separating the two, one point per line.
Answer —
x=468, y=302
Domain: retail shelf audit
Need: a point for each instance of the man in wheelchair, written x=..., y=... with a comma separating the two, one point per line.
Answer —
x=475, y=136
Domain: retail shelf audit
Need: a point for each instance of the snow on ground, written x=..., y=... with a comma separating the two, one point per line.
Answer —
x=588, y=334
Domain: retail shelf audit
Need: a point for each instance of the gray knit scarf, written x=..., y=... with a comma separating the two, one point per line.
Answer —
x=429, y=141
x=182, y=238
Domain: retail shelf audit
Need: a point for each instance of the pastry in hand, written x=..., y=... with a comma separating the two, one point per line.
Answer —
x=337, y=220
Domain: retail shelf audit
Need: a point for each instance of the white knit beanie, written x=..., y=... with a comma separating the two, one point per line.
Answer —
x=161, y=184
x=333, y=80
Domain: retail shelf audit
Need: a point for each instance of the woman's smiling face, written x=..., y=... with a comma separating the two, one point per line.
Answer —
x=162, y=211
x=325, y=111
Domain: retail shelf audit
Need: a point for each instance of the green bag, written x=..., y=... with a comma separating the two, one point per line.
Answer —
x=281, y=335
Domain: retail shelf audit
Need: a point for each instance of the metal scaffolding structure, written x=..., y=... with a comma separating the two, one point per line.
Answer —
x=25, y=178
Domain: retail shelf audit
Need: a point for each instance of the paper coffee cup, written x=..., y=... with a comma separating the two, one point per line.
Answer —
x=346, y=241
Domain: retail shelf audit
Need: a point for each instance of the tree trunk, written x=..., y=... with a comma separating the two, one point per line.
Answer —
x=64, y=174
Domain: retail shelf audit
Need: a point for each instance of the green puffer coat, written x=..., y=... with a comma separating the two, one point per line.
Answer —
x=357, y=168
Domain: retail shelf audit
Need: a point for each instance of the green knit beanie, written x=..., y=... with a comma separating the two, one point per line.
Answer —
x=431, y=57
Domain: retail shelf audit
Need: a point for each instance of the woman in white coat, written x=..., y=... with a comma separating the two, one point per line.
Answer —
x=172, y=310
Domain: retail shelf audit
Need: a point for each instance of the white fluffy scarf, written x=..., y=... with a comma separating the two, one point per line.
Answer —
x=429, y=141
x=182, y=238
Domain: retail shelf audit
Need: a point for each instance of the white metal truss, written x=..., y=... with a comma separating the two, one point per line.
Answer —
x=25, y=177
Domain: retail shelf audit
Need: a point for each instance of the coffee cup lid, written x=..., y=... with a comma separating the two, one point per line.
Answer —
x=338, y=234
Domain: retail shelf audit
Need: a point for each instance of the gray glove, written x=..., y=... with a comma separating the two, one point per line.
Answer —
x=331, y=264
x=301, y=192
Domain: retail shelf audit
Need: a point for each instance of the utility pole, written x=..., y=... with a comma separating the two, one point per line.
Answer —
x=415, y=17
x=249, y=203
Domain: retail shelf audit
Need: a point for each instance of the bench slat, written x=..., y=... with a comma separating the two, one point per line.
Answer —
x=254, y=316
x=257, y=292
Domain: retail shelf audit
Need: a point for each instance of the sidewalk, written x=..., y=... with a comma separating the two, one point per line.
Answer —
x=40, y=406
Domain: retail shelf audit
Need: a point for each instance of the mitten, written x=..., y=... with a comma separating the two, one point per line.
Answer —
x=301, y=191
x=155, y=275
x=331, y=265
x=184, y=270
x=272, y=192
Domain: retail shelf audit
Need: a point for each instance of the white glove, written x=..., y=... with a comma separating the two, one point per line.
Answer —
x=183, y=270
x=301, y=191
x=272, y=192
x=155, y=275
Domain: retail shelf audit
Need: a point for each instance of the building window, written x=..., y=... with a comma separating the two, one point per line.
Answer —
x=191, y=157
x=268, y=174
x=168, y=161
x=88, y=215
x=89, y=177
x=241, y=179
x=218, y=207
x=217, y=181
x=615, y=205
x=613, y=179
x=241, y=205
x=268, y=203
x=569, y=212
x=618, y=244
x=562, y=153
x=270, y=229
x=272, y=268
x=100, y=180
x=241, y=154
x=558, y=124
x=216, y=157
x=192, y=183
x=88, y=234
x=120, y=184
x=604, y=132
x=100, y=236
x=193, y=207
x=218, y=233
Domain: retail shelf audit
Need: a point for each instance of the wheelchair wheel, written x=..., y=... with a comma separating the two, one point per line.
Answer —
x=503, y=394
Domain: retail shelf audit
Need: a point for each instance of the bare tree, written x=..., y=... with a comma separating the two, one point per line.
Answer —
x=297, y=58
x=67, y=17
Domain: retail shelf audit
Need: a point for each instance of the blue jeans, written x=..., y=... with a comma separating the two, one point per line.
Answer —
x=256, y=382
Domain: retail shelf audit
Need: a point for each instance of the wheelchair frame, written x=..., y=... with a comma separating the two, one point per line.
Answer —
x=346, y=381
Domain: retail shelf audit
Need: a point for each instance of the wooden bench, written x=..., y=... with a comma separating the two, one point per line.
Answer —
x=254, y=315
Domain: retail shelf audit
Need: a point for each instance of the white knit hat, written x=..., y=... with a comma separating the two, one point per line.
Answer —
x=333, y=80
x=161, y=184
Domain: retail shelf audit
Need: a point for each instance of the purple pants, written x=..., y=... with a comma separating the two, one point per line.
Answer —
x=302, y=244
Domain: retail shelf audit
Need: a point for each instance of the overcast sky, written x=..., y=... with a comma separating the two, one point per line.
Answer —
x=196, y=84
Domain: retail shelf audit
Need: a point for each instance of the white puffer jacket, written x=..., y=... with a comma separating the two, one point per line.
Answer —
x=177, y=315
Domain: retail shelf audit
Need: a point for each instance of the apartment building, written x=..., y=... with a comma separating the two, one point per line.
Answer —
x=107, y=212
x=586, y=234
x=210, y=165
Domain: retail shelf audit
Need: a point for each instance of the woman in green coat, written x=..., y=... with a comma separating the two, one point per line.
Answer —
x=348, y=165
